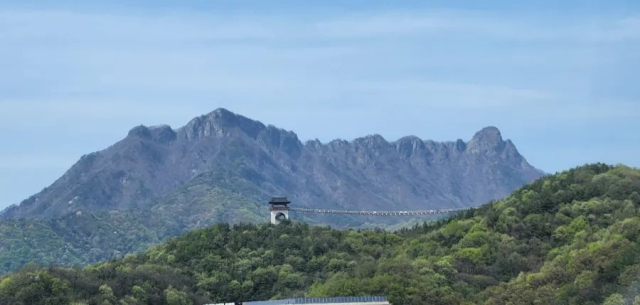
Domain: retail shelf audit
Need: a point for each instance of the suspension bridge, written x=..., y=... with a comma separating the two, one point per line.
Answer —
x=379, y=213
x=279, y=207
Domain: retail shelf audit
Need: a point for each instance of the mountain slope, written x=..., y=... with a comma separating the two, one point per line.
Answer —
x=78, y=238
x=82, y=238
x=570, y=238
x=151, y=164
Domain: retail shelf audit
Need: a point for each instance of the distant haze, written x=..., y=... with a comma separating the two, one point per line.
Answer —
x=558, y=79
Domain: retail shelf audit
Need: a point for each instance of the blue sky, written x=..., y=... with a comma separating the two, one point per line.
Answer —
x=558, y=79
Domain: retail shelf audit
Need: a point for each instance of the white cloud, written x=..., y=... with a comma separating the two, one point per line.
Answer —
x=67, y=52
x=68, y=27
x=258, y=91
x=282, y=102
x=514, y=27
x=599, y=112
x=449, y=95
x=64, y=27
x=383, y=24
x=624, y=29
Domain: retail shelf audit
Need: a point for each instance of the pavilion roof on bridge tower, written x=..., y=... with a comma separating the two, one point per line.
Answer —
x=279, y=201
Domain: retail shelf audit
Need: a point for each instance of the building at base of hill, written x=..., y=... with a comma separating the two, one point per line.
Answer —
x=368, y=300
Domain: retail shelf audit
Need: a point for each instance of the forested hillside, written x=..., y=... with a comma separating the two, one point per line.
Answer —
x=78, y=239
x=570, y=238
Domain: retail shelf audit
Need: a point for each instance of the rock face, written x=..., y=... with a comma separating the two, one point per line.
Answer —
x=151, y=164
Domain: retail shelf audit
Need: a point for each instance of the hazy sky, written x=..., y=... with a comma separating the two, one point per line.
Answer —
x=558, y=78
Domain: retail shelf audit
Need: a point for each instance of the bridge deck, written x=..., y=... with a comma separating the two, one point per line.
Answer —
x=362, y=300
x=379, y=213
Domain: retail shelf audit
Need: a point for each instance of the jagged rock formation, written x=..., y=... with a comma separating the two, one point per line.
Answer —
x=150, y=164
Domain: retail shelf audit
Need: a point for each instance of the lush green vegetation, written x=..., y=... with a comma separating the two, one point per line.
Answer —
x=571, y=238
x=86, y=237
x=76, y=239
x=82, y=238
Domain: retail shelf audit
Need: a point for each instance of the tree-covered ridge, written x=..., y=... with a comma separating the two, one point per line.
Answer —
x=570, y=238
x=81, y=238
x=77, y=239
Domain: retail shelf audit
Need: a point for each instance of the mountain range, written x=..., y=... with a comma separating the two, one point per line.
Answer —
x=150, y=165
x=224, y=167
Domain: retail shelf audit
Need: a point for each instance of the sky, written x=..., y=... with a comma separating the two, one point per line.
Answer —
x=558, y=78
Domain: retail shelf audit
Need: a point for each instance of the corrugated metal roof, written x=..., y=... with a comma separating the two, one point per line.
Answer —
x=362, y=299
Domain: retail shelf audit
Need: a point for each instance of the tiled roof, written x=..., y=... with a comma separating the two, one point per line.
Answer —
x=279, y=200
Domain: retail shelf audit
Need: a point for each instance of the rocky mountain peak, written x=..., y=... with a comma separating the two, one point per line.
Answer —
x=140, y=131
x=161, y=133
x=487, y=140
x=488, y=134
x=220, y=123
x=222, y=112
x=409, y=145
x=225, y=118
x=371, y=141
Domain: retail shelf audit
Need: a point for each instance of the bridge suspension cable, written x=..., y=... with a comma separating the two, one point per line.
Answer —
x=379, y=213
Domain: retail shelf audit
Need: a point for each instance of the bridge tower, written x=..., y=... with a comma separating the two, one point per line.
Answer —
x=279, y=207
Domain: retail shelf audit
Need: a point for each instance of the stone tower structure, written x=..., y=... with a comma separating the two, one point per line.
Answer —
x=279, y=207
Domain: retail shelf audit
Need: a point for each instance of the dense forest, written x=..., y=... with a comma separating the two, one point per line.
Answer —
x=569, y=238
x=85, y=237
